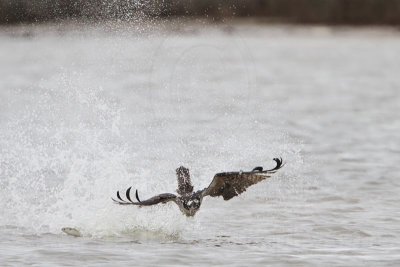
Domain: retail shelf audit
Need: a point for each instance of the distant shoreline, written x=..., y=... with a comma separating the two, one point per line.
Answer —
x=189, y=26
x=327, y=12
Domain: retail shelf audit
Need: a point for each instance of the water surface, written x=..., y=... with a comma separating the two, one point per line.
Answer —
x=86, y=110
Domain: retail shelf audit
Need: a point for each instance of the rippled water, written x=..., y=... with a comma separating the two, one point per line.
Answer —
x=87, y=110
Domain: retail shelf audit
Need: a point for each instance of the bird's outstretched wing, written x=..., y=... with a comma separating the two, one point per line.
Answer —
x=184, y=183
x=161, y=198
x=231, y=184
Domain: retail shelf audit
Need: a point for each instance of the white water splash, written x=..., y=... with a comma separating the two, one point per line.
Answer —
x=63, y=156
x=68, y=145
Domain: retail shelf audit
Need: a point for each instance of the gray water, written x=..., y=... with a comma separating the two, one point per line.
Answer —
x=86, y=110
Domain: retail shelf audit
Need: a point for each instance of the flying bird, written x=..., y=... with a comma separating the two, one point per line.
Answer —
x=225, y=184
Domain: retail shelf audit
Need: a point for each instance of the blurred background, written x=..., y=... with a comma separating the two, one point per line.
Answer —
x=294, y=11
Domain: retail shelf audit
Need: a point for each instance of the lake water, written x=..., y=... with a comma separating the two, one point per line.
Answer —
x=86, y=110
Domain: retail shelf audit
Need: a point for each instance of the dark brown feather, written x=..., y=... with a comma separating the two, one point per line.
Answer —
x=184, y=183
x=231, y=184
x=161, y=198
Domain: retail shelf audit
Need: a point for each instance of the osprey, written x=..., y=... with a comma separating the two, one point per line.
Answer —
x=225, y=184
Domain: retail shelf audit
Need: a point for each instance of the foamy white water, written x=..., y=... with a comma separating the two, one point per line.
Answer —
x=88, y=110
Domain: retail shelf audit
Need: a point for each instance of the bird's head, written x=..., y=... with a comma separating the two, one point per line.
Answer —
x=193, y=202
